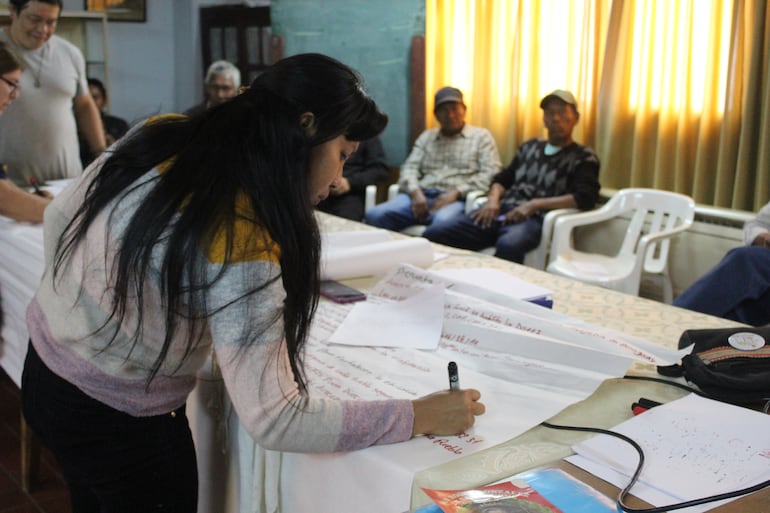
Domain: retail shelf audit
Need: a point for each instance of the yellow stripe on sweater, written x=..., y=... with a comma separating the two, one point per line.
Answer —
x=251, y=242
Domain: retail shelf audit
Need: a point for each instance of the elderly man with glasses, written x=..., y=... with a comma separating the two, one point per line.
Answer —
x=39, y=132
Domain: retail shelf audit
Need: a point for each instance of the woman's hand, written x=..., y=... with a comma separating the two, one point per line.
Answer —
x=446, y=412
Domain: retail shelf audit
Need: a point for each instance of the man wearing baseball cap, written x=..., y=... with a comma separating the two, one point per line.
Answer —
x=545, y=174
x=444, y=165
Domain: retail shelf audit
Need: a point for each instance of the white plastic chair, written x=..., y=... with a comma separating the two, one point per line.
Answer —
x=655, y=217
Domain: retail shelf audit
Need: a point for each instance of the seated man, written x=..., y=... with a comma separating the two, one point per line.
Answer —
x=222, y=81
x=445, y=164
x=366, y=166
x=738, y=287
x=544, y=175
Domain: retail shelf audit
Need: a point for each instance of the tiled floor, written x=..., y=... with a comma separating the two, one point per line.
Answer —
x=49, y=493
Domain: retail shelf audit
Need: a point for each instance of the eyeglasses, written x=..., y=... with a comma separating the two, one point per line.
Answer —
x=15, y=86
x=35, y=20
x=220, y=87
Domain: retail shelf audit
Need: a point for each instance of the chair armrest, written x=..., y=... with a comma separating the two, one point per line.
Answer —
x=392, y=191
x=653, y=263
x=474, y=200
x=561, y=238
x=665, y=234
x=539, y=256
x=550, y=219
x=370, y=197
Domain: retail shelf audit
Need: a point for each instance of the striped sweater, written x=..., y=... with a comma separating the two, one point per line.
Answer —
x=246, y=332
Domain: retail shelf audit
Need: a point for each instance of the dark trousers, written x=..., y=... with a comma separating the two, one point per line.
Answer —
x=737, y=288
x=112, y=462
x=511, y=241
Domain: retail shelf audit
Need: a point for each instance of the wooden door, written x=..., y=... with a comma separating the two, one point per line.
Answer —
x=241, y=35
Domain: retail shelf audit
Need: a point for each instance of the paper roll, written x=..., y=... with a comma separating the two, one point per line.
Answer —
x=354, y=238
x=374, y=259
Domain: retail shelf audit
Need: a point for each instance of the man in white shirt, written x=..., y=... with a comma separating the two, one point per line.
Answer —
x=39, y=132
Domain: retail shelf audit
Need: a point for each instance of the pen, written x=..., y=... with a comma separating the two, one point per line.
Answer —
x=454, y=378
x=34, y=184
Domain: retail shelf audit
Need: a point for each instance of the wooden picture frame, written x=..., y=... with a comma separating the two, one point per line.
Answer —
x=120, y=10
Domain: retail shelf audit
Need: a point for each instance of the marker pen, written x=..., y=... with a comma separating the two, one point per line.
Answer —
x=34, y=184
x=454, y=377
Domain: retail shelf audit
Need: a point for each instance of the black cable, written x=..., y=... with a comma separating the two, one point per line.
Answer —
x=669, y=382
x=765, y=407
x=625, y=491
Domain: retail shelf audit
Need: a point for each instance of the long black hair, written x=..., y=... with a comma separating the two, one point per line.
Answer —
x=251, y=146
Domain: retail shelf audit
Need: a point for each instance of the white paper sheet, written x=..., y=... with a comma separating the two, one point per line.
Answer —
x=417, y=323
x=497, y=281
x=650, y=494
x=694, y=447
x=405, y=280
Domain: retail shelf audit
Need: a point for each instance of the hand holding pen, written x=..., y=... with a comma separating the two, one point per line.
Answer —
x=35, y=186
x=38, y=190
x=448, y=412
x=454, y=376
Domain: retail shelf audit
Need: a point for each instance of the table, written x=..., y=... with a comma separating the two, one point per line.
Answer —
x=229, y=464
x=610, y=404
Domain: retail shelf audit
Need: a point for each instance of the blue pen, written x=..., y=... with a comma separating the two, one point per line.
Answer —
x=454, y=377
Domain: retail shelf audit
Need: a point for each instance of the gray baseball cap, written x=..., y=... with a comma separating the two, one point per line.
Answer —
x=448, y=94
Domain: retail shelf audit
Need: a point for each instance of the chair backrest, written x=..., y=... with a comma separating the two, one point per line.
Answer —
x=653, y=212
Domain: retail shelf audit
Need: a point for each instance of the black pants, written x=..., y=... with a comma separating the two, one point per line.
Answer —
x=112, y=462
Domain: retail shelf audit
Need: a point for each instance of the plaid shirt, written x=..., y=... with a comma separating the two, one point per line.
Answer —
x=466, y=161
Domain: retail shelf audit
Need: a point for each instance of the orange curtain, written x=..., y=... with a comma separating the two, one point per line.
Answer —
x=672, y=95
x=506, y=55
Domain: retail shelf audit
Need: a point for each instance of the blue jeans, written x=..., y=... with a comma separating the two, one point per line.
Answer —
x=511, y=241
x=396, y=214
x=111, y=461
x=737, y=288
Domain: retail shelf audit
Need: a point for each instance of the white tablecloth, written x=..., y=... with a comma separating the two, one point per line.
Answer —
x=238, y=476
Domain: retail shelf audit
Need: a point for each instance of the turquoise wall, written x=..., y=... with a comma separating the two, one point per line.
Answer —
x=372, y=36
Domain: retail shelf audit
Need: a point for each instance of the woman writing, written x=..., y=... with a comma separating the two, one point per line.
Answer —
x=15, y=203
x=192, y=233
